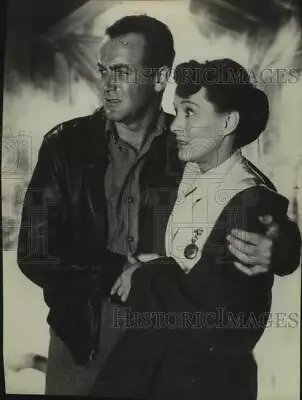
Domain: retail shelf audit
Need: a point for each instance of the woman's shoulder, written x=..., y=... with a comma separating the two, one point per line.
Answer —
x=247, y=186
x=257, y=174
x=255, y=189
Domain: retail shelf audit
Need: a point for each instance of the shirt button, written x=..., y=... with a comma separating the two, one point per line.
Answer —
x=130, y=239
x=130, y=199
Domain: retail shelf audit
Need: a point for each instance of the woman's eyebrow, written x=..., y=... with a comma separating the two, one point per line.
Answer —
x=190, y=102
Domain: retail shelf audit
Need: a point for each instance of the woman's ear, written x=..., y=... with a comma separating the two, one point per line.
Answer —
x=231, y=122
x=161, y=78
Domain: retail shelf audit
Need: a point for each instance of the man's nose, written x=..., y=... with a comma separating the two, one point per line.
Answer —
x=110, y=82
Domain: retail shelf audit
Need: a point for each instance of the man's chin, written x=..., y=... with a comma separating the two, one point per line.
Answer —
x=113, y=115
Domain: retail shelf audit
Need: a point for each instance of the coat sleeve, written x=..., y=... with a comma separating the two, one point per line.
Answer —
x=43, y=255
x=286, y=251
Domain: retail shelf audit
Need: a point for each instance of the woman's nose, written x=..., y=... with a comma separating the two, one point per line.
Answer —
x=178, y=127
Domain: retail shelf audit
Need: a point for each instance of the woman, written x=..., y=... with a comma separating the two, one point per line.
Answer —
x=212, y=314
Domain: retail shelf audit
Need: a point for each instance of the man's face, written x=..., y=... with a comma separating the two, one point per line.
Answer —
x=124, y=93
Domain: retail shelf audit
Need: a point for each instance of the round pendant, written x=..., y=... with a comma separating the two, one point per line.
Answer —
x=191, y=251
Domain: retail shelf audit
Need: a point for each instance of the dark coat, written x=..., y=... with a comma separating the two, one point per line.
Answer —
x=63, y=234
x=195, y=360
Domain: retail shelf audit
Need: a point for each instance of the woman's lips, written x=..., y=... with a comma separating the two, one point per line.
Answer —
x=181, y=143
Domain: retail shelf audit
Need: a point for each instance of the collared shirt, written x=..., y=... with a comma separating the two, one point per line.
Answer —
x=201, y=199
x=122, y=188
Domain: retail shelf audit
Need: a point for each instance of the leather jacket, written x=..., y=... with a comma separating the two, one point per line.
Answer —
x=64, y=227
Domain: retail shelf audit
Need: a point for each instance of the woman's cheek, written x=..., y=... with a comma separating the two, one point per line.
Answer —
x=201, y=147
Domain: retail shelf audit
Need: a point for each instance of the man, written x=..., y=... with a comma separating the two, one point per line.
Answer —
x=100, y=187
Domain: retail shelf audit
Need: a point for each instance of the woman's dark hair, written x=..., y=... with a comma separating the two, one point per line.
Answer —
x=228, y=88
x=159, y=40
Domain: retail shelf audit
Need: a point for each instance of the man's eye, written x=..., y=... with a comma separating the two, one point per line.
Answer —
x=123, y=73
x=103, y=72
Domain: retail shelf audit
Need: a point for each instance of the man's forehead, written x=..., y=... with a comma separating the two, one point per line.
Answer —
x=129, y=46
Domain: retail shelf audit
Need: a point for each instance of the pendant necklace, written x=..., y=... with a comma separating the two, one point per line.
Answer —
x=191, y=250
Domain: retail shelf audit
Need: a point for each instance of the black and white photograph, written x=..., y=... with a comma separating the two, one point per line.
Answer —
x=151, y=184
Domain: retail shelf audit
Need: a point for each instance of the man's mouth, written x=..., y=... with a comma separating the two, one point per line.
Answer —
x=112, y=102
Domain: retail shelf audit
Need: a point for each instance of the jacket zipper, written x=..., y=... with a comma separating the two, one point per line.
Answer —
x=95, y=322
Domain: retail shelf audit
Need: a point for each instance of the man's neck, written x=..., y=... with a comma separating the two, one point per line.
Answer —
x=136, y=132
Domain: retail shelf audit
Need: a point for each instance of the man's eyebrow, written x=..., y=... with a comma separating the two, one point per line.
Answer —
x=190, y=102
x=120, y=66
x=114, y=67
x=100, y=65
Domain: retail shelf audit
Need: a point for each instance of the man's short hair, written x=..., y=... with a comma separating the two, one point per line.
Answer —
x=158, y=37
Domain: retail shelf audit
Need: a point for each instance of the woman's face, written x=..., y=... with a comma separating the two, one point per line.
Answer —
x=198, y=127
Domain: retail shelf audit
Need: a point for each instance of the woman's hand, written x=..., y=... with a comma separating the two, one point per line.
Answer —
x=146, y=257
x=122, y=285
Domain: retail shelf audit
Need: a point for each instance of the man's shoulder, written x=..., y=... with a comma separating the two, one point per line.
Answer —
x=64, y=127
x=76, y=127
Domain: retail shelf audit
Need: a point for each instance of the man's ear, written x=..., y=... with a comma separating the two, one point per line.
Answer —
x=231, y=122
x=161, y=78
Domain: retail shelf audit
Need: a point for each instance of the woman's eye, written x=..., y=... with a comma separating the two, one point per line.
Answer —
x=189, y=112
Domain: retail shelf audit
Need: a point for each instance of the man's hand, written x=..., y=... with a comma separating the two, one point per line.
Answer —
x=253, y=249
x=122, y=285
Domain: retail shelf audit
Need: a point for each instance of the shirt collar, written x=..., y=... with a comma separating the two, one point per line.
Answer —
x=159, y=127
x=161, y=123
x=192, y=168
x=225, y=167
x=195, y=179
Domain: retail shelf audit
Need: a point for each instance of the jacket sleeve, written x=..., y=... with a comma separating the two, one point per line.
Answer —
x=43, y=255
x=286, y=250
